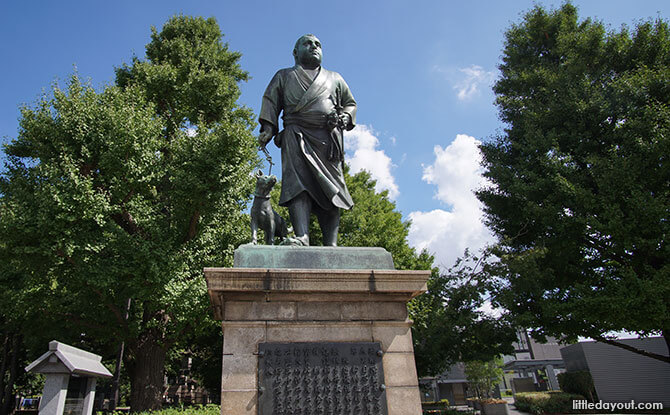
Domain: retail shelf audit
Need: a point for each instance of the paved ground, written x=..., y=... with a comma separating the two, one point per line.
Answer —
x=511, y=408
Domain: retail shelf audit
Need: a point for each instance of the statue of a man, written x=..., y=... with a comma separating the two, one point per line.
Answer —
x=317, y=106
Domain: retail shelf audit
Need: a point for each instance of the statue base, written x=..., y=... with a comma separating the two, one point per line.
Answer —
x=325, y=340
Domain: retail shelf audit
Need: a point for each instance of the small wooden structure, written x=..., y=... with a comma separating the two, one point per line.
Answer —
x=71, y=375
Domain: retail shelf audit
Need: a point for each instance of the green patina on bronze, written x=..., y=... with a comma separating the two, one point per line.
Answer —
x=316, y=106
x=312, y=257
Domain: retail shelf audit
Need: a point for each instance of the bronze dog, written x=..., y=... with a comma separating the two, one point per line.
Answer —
x=262, y=214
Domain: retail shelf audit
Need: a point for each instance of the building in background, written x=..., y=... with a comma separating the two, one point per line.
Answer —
x=451, y=385
x=620, y=375
x=533, y=366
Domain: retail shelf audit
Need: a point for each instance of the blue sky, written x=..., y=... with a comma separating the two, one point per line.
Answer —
x=420, y=72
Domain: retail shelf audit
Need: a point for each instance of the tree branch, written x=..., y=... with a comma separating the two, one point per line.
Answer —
x=110, y=306
x=193, y=226
x=69, y=259
x=596, y=244
x=85, y=169
x=187, y=328
x=126, y=221
x=84, y=323
x=128, y=196
x=652, y=355
x=3, y=365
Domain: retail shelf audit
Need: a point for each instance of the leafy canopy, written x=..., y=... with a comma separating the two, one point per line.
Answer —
x=581, y=177
x=128, y=193
x=190, y=74
x=453, y=321
x=484, y=376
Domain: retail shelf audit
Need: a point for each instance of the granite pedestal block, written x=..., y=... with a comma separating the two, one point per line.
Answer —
x=300, y=299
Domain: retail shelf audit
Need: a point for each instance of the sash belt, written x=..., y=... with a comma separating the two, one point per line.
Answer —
x=306, y=120
x=335, y=152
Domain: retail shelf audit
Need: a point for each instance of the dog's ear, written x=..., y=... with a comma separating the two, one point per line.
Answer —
x=259, y=173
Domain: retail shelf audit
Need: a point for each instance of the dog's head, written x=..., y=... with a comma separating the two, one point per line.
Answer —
x=264, y=184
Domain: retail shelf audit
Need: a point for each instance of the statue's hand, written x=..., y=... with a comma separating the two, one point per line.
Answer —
x=264, y=138
x=345, y=120
x=333, y=120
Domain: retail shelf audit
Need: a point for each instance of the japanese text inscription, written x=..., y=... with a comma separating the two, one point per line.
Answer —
x=321, y=379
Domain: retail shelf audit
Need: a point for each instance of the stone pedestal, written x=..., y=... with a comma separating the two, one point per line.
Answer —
x=290, y=304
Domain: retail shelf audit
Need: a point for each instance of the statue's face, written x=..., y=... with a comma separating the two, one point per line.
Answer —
x=308, y=51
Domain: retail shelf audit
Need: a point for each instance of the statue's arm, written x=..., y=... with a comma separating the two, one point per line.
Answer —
x=267, y=132
x=270, y=109
x=348, y=104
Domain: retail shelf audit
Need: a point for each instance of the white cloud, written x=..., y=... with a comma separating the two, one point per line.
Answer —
x=472, y=79
x=361, y=146
x=456, y=172
x=467, y=82
x=488, y=309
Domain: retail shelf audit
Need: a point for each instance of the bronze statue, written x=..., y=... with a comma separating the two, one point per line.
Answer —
x=262, y=215
x=317, y=106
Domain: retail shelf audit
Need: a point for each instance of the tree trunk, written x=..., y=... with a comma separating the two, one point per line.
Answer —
x=146, y=372
x=3, y=368
x=7, y=405
x=114, y=402
x=642, y=352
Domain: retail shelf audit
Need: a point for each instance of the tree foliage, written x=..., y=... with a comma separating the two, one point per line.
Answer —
x=581, y=179
x=453, y=321
x=483, y=376
x=12, y=347
x=374, y=221
x=128, y=193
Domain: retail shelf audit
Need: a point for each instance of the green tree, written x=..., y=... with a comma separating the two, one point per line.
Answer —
x=192, y=78
x=451, y=323
x=128, y=194
x=484, y=376
x=12, y=350
x=374, y=221
x=581, y=177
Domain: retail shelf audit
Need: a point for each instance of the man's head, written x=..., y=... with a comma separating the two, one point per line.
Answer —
x=307, y=51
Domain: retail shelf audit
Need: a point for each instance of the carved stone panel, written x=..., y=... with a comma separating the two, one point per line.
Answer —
x=321, y=379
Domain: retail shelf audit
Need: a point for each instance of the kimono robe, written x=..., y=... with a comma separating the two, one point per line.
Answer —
x=312, y=153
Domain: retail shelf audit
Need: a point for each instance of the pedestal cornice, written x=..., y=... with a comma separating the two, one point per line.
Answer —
x=347, y=282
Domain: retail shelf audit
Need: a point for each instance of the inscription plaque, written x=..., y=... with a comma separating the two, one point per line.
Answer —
x=321, y=379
